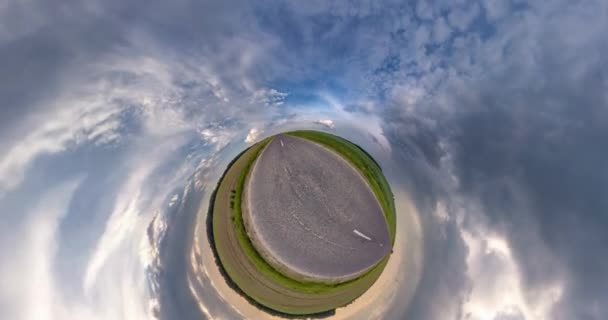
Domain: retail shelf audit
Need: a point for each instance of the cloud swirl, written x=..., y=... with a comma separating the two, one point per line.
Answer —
x=490, y=118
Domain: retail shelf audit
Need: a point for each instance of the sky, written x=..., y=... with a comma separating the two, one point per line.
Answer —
x=490, y=118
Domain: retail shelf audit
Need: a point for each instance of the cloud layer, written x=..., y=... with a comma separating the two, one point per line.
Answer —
x=491, y=115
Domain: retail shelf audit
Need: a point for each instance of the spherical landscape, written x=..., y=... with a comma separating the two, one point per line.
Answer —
x=302, y=222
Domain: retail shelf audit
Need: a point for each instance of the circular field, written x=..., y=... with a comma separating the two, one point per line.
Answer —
x=252, y=268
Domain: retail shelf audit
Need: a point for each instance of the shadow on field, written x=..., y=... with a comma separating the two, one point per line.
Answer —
x=232, y=284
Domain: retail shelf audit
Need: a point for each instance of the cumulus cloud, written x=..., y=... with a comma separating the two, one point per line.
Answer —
x=326, y=123
x=253, y=135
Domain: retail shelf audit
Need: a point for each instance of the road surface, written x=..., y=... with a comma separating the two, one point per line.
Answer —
x=311, y=214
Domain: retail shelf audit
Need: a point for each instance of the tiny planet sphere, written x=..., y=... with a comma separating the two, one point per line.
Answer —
x=302, y=223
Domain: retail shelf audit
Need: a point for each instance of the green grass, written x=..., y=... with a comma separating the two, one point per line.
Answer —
x=365, y=164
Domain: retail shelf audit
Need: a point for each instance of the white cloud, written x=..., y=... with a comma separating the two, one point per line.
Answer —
x=408, y=96
x=326, y=122
x=93, y=111
x=76, y=122
x=40, y=301
x=123, y=97
x=498, y=286
x=253, y=135
x=120, y=224
x=122, y=254
x=216, y=136
x=29, y=276
x=269, y=97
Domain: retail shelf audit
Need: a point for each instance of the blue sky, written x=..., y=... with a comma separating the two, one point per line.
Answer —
x=491, y=115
